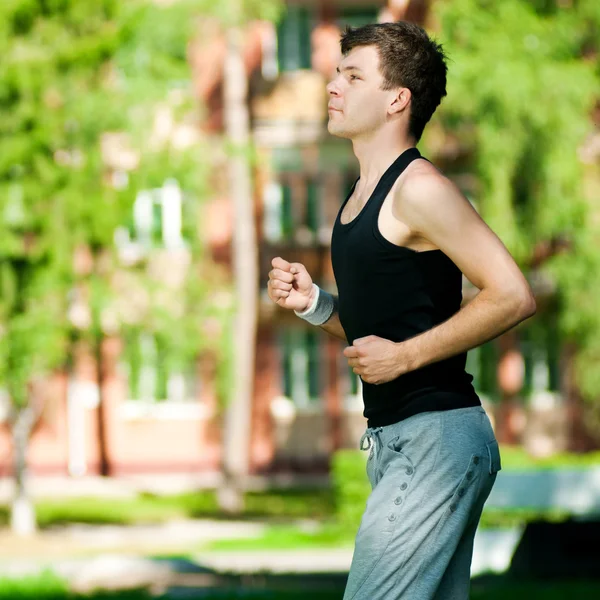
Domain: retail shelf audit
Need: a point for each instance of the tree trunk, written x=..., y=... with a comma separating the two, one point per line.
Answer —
x=22, y=519
x=583, y=426
x=237, y=426
x=104, y=463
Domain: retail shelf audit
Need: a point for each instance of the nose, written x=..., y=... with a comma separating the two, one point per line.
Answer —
x=332, y=88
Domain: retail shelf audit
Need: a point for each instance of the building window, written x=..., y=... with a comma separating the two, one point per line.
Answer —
x=293, y=38
x=301, y=366
x=157, y=220
x=293, y=208
x=354, y=382
x=541, y=351
x=153, y=375
x=294, y=32
x=540, y=347
x=300, y=208
x=273, y=220
x=357, y=16
x=312, y=214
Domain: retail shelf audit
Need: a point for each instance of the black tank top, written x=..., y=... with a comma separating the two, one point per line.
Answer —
x=396, y=293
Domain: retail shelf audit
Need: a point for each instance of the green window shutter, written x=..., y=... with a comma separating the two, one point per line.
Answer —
x=357, y=16
x=527, y=349
x=286, y=366
x=300, y=365
x=293, y=39
x=540, y=343
x=488, y=383
x=473, y=366
x=132, y=363
x=151, y=370
x=314, y=364
x=553, y=353
x=162, y=372
x=353, y=381
x=287, y=212
x=312, y=205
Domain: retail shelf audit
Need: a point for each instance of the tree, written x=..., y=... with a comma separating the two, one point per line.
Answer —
x=523, y=81
x=76, y=76
x=237, y=427
x=51, y=54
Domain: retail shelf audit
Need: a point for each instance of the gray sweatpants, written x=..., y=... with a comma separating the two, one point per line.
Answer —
x=430, y=477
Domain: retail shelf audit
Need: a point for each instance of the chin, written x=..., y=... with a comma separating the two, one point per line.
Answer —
x=337, y=131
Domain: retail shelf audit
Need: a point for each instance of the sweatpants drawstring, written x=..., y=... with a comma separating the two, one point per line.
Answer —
x=368, y=436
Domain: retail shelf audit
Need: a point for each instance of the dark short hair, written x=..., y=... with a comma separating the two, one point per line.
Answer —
x=409, y=58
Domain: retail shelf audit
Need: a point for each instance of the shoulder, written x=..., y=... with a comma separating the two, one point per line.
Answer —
x=425, y=194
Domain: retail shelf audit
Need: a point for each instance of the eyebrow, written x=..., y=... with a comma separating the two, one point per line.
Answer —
x=349, y=68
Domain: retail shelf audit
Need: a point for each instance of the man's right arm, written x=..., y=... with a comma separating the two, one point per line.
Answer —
x=290, y=286
x=333, y=325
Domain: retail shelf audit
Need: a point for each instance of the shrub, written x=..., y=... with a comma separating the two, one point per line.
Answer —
x=351, y=486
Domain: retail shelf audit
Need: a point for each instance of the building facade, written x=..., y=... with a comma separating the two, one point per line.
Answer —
x=307, y=401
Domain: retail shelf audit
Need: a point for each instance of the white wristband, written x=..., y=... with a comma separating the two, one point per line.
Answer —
x=321, y=309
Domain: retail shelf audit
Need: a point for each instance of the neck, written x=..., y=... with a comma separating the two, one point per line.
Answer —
x=377, y=152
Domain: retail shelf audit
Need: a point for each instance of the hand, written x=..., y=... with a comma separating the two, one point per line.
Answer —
x=290, y=285
x=376, y=360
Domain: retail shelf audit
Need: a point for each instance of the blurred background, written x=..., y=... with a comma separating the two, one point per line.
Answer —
x=165, y=429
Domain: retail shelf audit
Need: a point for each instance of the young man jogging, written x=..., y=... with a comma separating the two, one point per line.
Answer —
x=401, y=242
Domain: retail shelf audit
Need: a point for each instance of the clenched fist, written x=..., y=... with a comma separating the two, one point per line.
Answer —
x=290, y=285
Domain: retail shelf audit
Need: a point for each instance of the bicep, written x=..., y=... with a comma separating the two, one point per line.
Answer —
x=445, y=217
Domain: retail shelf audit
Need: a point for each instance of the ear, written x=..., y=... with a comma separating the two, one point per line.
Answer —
x=400, y=101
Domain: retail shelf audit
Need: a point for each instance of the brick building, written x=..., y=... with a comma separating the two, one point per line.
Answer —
x=307, y=401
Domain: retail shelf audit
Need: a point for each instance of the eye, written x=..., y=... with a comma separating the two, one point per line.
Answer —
x=353, y=77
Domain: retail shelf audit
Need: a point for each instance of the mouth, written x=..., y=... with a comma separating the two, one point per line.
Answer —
x=331, y=109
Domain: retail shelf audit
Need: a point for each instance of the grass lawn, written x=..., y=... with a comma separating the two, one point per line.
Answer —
x=50, y=587
x=290, y=537
x=515, y=458
x=330, y=534
x=150, y=508
x=278, y=505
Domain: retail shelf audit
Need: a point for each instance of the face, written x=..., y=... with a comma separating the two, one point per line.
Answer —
x=357, y=104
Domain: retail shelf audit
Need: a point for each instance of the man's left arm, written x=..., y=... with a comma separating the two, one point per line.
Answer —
x=432, y=206
x=434, y=209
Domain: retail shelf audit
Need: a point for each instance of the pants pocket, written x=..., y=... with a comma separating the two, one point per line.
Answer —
x=494, y=456
x=371, y=467
x=463, y=490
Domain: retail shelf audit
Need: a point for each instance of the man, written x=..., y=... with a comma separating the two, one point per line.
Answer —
x=400, y=244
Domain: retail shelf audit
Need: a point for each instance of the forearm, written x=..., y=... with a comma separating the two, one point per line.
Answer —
x=333, y=325
x=483, y=319
x=323, y=305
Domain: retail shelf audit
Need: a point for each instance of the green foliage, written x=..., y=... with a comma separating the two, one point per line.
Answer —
x=521, y=94
x=495, y=518
x=523, y=78
x=70, y=73
x=45, y=586
x=515, y=458
x=49, y=586
x=351, y=486
x=53, y=105
x=291, y=537
x=237, y=12
x=352, y=489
